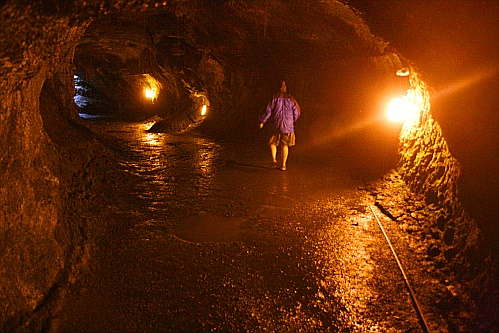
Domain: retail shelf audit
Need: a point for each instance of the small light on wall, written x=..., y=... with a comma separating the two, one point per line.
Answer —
x=203, y=110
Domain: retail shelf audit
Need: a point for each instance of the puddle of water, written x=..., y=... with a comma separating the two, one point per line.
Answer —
x=209, y=228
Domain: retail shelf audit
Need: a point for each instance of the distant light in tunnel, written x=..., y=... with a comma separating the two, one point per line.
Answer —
x=80, y=91
x=398, y=110
x=203, y=110
x=150, y=93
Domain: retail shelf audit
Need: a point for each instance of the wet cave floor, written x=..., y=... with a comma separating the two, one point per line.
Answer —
x=208, y=238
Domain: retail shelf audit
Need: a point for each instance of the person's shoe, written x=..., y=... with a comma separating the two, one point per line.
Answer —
x=274, y=165
x=283, y=168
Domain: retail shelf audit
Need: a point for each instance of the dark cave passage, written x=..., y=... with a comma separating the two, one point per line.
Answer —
x=208, y=69
x=343, y=96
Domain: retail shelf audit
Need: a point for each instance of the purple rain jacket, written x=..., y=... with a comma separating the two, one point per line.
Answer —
x=282, y=113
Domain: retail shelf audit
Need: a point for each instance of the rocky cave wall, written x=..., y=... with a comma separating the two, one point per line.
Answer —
x=49, y=162
x=429, y=169
x=422, y=196
x=426, y=162
x=37, y=241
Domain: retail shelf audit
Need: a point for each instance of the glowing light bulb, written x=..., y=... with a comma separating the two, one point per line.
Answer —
x=398, y=110
x=151, y=94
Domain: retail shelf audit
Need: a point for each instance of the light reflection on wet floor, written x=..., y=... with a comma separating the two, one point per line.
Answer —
x=217, y=241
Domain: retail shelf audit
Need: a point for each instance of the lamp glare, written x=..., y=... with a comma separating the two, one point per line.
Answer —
x=151, y=94
x=398, y=110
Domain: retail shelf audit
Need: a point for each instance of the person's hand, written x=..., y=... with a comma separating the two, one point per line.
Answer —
x=261, y=125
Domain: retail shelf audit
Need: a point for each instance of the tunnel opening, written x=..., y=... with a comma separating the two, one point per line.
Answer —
x=342, y=88
x=91, y=102
x=123, y=72
x=233, y=66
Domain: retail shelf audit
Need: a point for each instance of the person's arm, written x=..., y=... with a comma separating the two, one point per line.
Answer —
x=266, y=115
x=296, y=110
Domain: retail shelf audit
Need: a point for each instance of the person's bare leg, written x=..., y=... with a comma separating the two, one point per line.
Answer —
x=273, y=151
x=285, y=153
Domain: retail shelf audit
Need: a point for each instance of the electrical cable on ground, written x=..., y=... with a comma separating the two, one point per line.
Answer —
x=406, y=280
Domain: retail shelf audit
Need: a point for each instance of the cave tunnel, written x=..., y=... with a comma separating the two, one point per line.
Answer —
x=118, y=53
x=209, y=68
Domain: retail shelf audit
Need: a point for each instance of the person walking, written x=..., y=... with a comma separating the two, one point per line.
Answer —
x=281, y=114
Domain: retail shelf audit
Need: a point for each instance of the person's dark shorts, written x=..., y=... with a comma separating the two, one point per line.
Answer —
x=287, y=139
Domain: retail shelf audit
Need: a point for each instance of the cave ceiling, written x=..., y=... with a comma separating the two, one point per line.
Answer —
x=266, y=37
x=229, y=50
x=231, y=31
